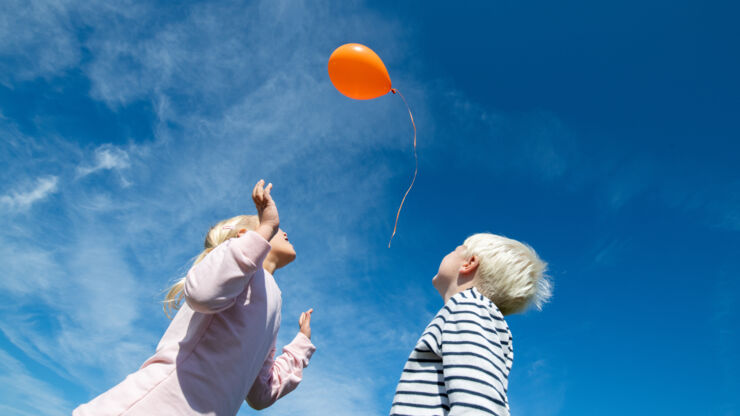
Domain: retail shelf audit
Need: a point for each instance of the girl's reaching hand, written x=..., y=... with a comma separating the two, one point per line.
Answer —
x=305, y=323
x=266, y=210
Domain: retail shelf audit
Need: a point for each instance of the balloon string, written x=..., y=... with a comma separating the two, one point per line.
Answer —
x=416, y=170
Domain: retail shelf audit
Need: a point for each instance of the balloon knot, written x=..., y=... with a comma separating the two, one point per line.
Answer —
x=393, y=90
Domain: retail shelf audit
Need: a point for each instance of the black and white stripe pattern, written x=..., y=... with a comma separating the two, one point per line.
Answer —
x=461, y=363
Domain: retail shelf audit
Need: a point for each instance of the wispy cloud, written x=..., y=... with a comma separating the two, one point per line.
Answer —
x=107, y=157
x=37, y=40
x=23, y=260
x=23, y=394
x=21, y=199
x=90, y=272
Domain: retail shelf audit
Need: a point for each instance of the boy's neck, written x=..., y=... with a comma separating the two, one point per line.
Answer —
x=455, y=289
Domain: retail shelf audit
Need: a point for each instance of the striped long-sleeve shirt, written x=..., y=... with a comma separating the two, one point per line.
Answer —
x=461, y=363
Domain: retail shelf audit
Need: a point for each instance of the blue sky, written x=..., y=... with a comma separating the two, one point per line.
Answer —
x=604, y=135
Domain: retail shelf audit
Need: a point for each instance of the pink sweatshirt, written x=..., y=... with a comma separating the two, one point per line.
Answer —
x=219, y=349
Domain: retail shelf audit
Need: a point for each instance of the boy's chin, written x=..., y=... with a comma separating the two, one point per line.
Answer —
x=435, y=281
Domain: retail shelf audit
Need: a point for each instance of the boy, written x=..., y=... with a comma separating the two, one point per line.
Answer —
x=461, y=363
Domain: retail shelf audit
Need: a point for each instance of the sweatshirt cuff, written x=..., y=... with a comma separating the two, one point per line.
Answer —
x=302, y=348
x=253, y=246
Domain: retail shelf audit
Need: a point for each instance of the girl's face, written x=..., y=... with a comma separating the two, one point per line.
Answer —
x=282, y=249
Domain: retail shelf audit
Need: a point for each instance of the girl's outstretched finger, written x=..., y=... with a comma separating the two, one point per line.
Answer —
x=261, y=191
x=305, y=323
x=256, y=191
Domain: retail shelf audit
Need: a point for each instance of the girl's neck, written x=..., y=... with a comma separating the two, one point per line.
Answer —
x=269, y=266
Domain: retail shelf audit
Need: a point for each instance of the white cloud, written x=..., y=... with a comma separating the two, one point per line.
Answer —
x=75, y=308
x=21, y=200
x=45, y=38
x=107, y=157
x=37, y=268
x=36, y=40
x=22, y=394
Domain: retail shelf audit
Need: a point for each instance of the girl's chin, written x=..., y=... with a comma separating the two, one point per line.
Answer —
x=288, y=256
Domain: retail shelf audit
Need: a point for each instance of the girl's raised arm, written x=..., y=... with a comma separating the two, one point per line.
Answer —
x=213, y=284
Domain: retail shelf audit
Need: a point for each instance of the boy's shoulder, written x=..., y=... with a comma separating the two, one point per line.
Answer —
x=472, y=299
x=467, y=317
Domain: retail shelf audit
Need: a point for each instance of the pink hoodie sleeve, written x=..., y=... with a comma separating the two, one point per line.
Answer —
x=213, y=284
x=279, y=376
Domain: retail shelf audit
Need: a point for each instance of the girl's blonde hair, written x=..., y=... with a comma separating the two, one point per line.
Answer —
x=219, y=233
x=510, y=273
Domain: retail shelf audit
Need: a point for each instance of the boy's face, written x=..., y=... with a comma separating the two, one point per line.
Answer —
x=449, y=270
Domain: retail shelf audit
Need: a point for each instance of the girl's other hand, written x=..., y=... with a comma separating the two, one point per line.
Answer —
x=305, y=323
x=266, y=210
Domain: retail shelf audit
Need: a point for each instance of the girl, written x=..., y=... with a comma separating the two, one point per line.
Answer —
x=219, y=349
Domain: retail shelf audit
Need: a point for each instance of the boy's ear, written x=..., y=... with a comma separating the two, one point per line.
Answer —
x=470, y=265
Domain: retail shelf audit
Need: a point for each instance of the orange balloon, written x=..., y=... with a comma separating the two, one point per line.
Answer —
x=357, y=72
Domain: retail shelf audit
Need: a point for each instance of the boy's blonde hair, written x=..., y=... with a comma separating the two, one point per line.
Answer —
x=509, y=272
x=219, y=233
